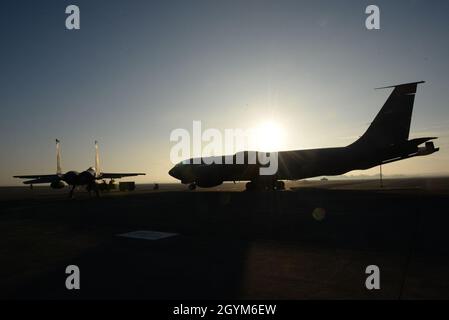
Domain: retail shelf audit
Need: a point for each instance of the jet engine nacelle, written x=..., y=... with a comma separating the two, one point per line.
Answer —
x=71, y=177
x=57, y=184
x=429, y=148
x=208, y=183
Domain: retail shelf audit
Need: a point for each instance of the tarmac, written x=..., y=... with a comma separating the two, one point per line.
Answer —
x=311, y=241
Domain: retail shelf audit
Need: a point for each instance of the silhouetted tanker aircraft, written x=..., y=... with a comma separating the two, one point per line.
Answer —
x=385, y=141
x=73, y=178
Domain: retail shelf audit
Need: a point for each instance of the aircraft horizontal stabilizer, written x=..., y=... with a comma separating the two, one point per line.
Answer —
x=429, y=148
x=401, y=85
x=48, y=179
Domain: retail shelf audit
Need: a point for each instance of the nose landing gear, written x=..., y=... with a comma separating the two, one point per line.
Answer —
x=71, y=192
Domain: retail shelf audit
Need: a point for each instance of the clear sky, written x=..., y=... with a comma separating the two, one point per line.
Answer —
x=136, y=70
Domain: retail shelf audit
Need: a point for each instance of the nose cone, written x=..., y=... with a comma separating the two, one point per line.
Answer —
x=175, y=173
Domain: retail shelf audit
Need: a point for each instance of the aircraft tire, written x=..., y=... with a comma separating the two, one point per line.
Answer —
x=192, y=186
x=280, y=185
x=250, y=186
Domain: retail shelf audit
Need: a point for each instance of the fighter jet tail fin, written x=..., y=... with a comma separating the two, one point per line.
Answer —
x=392, y=124
x=97, y=160
x=58, y=157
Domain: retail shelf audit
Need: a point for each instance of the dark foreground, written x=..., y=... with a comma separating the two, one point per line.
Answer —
x=231, y=244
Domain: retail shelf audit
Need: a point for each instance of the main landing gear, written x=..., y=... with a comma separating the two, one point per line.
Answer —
x=271, y=186
x=89, y=188
x=192, y=186
x=256, y=186
x=93, y=186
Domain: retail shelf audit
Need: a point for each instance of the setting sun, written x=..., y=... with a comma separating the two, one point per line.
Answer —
x=267, y=136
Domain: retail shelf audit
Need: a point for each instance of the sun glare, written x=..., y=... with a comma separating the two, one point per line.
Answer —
x=267, y=136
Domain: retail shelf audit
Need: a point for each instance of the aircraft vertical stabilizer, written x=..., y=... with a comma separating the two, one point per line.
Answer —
x=97, y=160
x=58, y=158
x=391, y=126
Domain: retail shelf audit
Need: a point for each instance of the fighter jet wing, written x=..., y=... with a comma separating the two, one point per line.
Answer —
x=37, y=176
x=43, y=178
x=106, y=175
